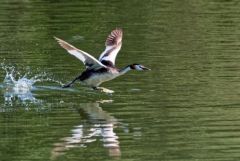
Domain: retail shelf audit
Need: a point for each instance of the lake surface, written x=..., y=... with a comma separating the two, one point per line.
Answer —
x=187, y=108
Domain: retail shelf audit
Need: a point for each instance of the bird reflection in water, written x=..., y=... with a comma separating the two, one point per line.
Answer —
x=98, y=124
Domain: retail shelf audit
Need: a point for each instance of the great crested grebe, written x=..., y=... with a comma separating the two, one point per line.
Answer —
x=103, y=69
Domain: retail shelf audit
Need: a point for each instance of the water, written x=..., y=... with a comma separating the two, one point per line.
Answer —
x=185, y=109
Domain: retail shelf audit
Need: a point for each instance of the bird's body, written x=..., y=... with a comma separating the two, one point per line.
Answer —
x=94, y=77
x=104, y=69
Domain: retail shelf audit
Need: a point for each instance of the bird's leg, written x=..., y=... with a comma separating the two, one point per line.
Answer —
x=102, y=89
x=70, y=84
x=95, y=88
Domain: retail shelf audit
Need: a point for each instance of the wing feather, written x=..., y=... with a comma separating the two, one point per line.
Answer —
x=88, y=60
x=113, y=46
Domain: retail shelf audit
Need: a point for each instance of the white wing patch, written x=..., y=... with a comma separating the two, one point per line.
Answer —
x=110, y=53
x=77, y=55
x=113, y=45
x=88, y=60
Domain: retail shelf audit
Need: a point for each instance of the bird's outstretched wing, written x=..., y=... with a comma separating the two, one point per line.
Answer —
x=113, y=45
x=88, y=60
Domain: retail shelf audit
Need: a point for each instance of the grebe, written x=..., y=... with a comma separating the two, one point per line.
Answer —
x=103, y=69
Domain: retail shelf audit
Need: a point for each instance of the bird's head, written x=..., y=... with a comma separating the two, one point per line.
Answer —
x=138, y=67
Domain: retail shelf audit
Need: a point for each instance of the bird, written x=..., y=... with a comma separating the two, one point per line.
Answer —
x=103, y=69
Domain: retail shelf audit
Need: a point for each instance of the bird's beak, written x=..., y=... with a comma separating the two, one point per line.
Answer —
x=145, y=68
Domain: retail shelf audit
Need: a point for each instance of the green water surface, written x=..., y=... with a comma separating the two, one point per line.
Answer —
x=187, y=108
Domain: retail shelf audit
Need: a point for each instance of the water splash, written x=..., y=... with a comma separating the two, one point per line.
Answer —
x=19, y=87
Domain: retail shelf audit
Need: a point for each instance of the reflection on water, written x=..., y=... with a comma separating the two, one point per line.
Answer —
x=96, y=124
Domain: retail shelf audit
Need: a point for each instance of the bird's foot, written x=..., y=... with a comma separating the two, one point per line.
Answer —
x=102, y=89
x=66, y=86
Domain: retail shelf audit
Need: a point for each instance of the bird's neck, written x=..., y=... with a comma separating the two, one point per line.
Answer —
x=125, y=70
